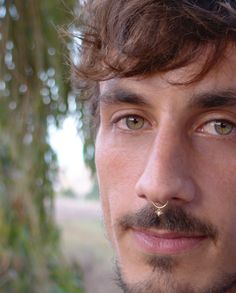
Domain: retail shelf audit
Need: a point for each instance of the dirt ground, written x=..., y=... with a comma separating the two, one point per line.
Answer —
x=84, y=242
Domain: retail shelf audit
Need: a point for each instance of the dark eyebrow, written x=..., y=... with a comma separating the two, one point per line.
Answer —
x=203, y=100
x=117, y=96
x=214, y=99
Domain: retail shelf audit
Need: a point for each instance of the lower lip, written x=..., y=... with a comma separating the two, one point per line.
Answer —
x=166, y=243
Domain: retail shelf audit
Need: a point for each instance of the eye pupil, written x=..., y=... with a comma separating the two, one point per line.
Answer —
x=134, y=122
x=223, y=127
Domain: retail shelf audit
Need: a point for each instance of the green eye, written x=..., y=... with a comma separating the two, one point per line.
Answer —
x=223, y=127
x=218, y=127
x=134, y=122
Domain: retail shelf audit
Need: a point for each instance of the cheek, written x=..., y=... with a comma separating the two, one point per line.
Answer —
x=119, y=163
x=215, y=167
x=118, y=169
x=117, y=175
x=112, y=167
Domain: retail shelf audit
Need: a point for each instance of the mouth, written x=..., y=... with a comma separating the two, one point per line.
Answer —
x=164, y=242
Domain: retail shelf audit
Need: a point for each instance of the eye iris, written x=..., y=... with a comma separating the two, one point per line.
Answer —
x=134, y=122
x=223, y=128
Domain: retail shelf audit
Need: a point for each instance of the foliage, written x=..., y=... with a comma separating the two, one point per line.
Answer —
x=33, y=94
x=94, y=193
x=68, y=192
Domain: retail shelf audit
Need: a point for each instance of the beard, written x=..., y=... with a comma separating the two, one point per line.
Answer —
x=225, y=284
x=161, y=278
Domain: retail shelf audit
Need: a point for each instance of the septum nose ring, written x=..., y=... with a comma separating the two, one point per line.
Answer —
x=159, y=207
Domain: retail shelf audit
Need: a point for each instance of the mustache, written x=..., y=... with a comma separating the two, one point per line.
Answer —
x=174, y=219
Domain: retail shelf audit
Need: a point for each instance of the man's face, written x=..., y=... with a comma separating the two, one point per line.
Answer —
x=160, y=142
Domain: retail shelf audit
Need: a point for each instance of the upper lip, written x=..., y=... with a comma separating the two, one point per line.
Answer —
x=167, y=234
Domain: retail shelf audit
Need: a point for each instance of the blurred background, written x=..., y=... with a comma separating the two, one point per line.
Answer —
x=52, y=237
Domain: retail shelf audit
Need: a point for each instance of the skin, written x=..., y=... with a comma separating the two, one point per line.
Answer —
x=163, y=142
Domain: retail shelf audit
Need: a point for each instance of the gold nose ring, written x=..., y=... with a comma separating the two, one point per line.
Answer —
x=159, y=207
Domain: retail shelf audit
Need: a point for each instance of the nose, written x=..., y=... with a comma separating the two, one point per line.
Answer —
x=166, y=173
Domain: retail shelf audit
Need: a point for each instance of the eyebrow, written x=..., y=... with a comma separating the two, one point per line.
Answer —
x=214, y=99
x=118, y=96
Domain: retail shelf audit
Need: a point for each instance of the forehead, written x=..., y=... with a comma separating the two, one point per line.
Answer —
x=222, y=76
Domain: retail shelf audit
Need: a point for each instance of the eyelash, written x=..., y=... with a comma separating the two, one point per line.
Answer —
x=212, y=123
x=124, y=118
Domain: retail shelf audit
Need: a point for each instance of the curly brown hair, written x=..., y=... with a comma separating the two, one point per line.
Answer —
x=124, y=38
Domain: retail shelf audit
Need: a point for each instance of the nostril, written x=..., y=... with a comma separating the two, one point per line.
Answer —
x=176, y=199
x=142, y=196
